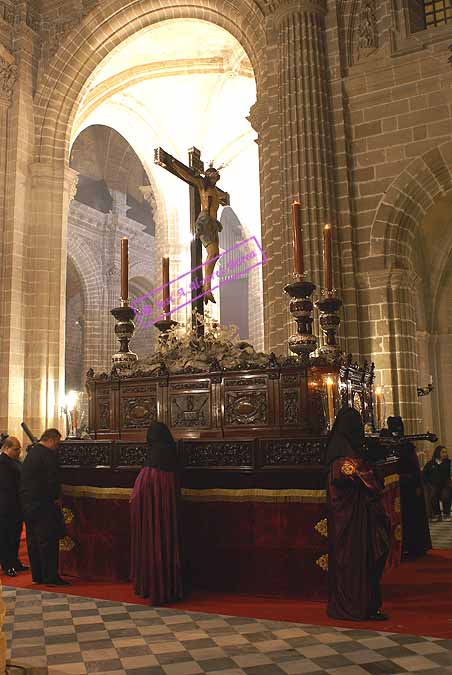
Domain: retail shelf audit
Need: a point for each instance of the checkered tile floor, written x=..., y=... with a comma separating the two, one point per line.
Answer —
x=441, y=534
x=81, y=635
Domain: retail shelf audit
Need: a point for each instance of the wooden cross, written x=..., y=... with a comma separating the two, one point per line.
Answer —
x=190, y=174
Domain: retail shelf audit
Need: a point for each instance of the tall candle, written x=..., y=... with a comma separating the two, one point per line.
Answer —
x=378, y=406
x=165, y=282
x=330, y=400
x=327, y=258
x=124, y=269
x=297, y=240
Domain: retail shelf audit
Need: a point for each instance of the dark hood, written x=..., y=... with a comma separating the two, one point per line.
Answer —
x=347, y=435
x=162, y=449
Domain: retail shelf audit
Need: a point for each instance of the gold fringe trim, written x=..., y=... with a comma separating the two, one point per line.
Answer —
x=96, y=492
x=254, y=495
x=390, y=480
x=215, y=494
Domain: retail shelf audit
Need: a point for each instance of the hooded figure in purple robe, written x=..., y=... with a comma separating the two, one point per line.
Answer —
x=156, y=570
x=358, y=526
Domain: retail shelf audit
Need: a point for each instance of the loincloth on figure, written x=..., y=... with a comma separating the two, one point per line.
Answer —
x=207, y=228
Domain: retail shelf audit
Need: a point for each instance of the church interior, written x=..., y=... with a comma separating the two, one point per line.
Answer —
x=232, y=217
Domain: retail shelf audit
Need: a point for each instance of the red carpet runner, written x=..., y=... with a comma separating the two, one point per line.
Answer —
x=417, y=596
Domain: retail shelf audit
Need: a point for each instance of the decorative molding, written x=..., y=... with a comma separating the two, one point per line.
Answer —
x=132, y=455
x=223, y=453
x=190, y=410
x=291, y=407
x=8, y=76
x=364, y=33
x=246, y=408
x=285, y=8
x=246, y=382
x=33, y=16
x=84, y=454
x=7, y=11
x=138, y=413
x=293, y=451
x=258, y=116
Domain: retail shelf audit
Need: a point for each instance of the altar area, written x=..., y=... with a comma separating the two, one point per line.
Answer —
x=251, y=442
x=251, y=430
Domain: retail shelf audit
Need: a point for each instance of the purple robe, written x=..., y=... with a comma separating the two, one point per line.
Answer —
x=155, y=547
x=358, y=539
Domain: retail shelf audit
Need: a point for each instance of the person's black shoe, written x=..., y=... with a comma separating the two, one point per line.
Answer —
x=57, y=582
x=11, y=572
x=21, y=568
x=378, y=616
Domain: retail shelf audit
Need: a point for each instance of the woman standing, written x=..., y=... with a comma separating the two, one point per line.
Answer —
x=438, y=478
x=155, y=555
x=358, y=527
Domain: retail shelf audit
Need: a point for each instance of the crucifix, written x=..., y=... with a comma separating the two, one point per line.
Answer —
x=205, y=198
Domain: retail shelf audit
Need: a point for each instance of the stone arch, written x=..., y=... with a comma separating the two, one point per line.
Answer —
x=62, y=84
x=405, y=203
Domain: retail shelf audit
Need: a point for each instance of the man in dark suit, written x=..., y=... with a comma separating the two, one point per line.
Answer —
x=11, y=520
x=40, y=492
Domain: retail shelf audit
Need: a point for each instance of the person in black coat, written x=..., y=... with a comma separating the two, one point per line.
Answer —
x=40, y=492
x=437, y=476
x=11, y=520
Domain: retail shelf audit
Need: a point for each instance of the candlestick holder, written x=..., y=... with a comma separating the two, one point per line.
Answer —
x=329, y=306
x=164, y=326
x=124, y=331
x=301, y=305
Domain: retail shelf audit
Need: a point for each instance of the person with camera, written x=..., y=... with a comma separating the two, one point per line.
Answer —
x=437, y=476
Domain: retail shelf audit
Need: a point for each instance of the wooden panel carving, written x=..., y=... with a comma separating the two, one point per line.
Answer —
x=289, y=380
x=291, y=406
x=190, y=410
x=246, y=382
x=145, y=388
x=104, y=413
x=221, y=453
x=138, y=412
x=293, y=451
x=246, y=407
x=189, y=386
x=131, y=455
x=85, y=454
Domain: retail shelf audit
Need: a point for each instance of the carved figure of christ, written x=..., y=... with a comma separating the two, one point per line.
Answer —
x=205, y=201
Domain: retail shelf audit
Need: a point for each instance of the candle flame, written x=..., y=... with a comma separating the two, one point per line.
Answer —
x=378, y=391
x=296, y=202
x=166, y=257
x=329, y=381
x=124, y=238
x=327, y=226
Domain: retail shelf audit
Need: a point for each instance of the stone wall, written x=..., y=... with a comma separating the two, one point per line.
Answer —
x=353, y=116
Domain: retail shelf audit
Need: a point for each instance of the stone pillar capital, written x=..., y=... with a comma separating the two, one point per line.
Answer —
x=54, y=176
x=258, y=115
x=285, y=8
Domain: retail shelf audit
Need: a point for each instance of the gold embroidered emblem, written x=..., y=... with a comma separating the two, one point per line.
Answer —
x=397, y=504
x=322, y=562
x=67, y=544
x=348, y=469
x=68, y=516
x=322, y=527
x=398, y=533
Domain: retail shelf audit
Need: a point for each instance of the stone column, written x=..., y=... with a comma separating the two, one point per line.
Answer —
x=297, y=27
x=53, y=185
x=11, y=252
x=388, y=338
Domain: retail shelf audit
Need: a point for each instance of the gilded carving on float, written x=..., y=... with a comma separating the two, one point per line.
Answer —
x=322, y=527
x=322, y=562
